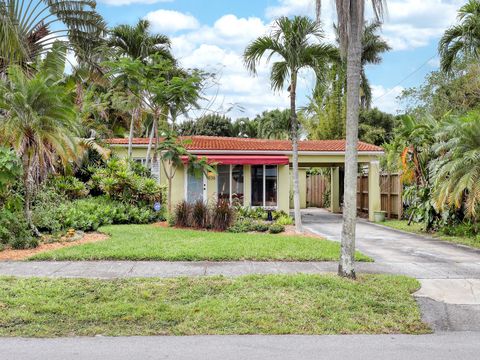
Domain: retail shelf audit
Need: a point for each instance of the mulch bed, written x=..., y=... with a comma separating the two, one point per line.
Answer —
x=11, y=254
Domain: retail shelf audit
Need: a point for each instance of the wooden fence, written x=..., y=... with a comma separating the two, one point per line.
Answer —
x=391, y=194
x=316, y=187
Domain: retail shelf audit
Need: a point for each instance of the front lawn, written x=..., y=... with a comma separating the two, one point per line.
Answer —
x=255, y=304
x=473, y=241
x=148, y=242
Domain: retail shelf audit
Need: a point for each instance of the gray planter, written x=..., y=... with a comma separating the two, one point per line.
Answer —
x=379, y=216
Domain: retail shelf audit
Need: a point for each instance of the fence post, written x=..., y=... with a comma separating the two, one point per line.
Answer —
x=400, y=195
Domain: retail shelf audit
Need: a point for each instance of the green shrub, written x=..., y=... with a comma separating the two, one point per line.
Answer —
x=276, y=228
x=260, y=227
x=241, y=225
x=465, y=229
x=121, y=182
x=90, y=213
x=14, y=231
x=69, y=186
x=284, y=220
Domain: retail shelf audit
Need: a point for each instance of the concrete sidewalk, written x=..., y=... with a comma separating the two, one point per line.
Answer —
x=131, y=269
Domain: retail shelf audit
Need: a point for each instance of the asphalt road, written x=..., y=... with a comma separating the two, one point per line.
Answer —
x=442, y=346
x=449, y=273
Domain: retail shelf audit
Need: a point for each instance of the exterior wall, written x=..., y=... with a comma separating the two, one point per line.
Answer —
x=247, y=181
x=283, y=188
x=212, y=188
x=178, y=186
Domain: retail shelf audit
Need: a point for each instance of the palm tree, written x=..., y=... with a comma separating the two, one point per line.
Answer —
x=290, y=40
x=463, y=38
x=38, y=120
x=456, y=171
x=274, y=124
x=350, y=14
x=26, y=28
x=137, y=43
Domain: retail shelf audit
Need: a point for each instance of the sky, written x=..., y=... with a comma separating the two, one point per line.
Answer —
x=212, y=35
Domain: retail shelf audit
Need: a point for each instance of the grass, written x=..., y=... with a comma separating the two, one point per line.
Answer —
x=147, y=242
x=418, y=228
x=255, y=304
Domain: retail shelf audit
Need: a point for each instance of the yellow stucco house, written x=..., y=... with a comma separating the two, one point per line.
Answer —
x=257, y=172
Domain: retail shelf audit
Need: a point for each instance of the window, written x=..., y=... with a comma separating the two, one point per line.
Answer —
x=264, y=185
x=223, y=180
x=153, y=166
x=270, y=185
x=237, y=183
x=230, y=182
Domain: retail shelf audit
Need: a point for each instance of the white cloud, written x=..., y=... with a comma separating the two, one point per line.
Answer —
x=291, y=7
x=411, y=24
x=218, y=49
x=408, y=24
x=170, y=21
x=386, y=98
x=130, y=2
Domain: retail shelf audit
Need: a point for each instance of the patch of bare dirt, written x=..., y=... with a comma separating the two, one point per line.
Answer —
x=160, y=224
x=290, y=230
x=11, y=254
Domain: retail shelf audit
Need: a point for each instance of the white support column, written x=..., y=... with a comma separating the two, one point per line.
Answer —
x=374, y=201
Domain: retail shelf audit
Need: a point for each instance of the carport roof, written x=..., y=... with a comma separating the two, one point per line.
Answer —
x=216, y=143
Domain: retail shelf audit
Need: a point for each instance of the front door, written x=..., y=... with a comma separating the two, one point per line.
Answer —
x=196, y=188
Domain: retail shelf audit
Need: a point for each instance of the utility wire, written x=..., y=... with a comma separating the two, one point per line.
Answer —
x=406, y=77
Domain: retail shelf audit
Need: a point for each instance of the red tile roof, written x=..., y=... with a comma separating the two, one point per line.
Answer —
x=247, y=144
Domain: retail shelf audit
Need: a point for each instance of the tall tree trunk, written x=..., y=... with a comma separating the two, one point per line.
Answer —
x=28, y=197
x=294, y=128
x=150, y=142
x=130, y=134
x=169, y=199
x=353, y=55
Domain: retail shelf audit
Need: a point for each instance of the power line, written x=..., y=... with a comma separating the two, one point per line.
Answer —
x=406, y=77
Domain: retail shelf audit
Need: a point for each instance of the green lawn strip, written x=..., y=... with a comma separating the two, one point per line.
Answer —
x=147, y=242
x=254, y=304
x=417, y=228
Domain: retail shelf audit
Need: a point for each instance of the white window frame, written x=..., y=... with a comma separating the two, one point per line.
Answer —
x=264, y=183
x=230, y=180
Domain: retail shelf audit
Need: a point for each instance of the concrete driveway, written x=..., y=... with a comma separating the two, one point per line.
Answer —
x=449, y=273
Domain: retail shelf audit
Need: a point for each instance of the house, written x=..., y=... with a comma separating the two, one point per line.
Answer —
x=257, y=172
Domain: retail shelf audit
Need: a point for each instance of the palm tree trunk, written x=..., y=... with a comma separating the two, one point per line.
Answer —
x=28, y=197
x=294, y=126
x=354, y=53
x=130, y=134
x=169, y=198
x=150, y=142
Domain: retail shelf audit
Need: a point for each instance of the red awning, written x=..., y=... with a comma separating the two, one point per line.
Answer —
x=244, y=159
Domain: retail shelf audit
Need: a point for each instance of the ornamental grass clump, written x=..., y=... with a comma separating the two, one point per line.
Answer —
x=223, y=215
x=200, y=214
x=182, y=214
